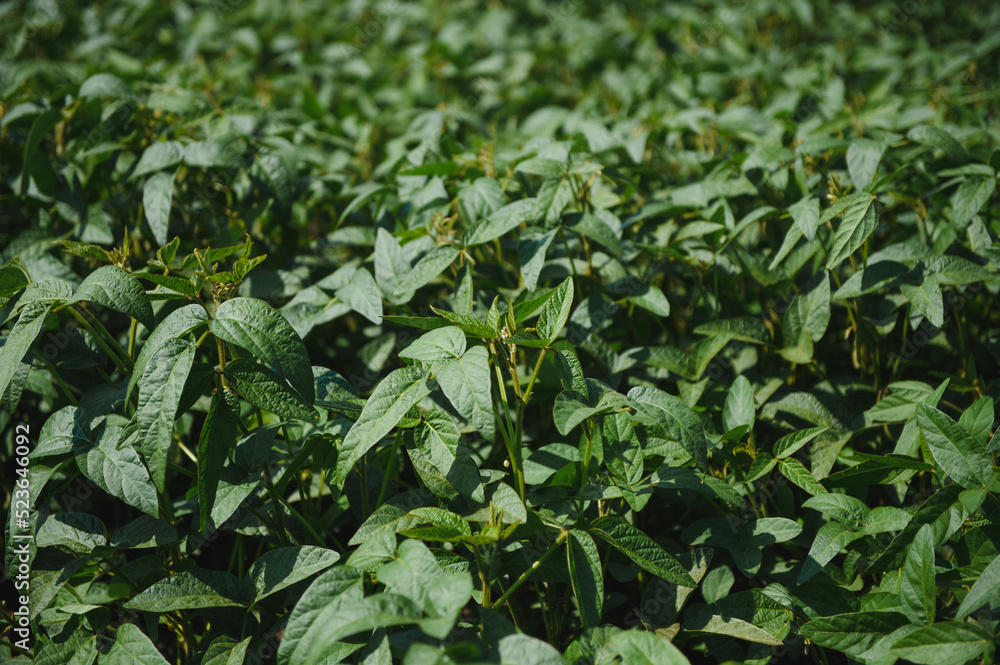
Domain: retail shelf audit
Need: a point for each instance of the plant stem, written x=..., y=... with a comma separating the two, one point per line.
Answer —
x=513, y=445
x=388, y=469
x=534, y=375
x=526, y=574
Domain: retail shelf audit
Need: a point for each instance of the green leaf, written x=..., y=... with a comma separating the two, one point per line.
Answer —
x=639, y=547
x=857, y=223
x=132, y=647
x=739, y=408
x=159, y=156
x=949, y=642
x=977, y=420
x=217, y=436
x=831, y=538
x=224, y=650
x=937, y=138
x=531, y=248
x=427, y=268
x=789, y=444
x=596, y=228
x=854, y=632
x=394, y=396
x=796, y=472
x=586, y=577
x=502, y=221
x=970, y=197
x=744, y=328
x=985, y=590
x=441, y=344
x=466, y=383
x=439, y=440
x=361, y=293
x=416, y=575
x=160, y=390
x=863, y=157
x=955, y=450
x=556, y=311
x=114, y=288
x=19, y=340
x=262, y=387
x=144, y=531
x=927, y=298
x=175, y=325
x=77, y=532
x=280, y=568
x=918, y=591
x=157, y=193
x=118, y=470
x=519, y=649
x=805, y=214
x=192, y=590
x=677, y=420
x=875, y=277
x=841, y=507
x=391, y=268
x=329, y=593
x=254, y=325
x=639, y=647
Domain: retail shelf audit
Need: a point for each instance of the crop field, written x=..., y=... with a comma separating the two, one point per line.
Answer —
x=502, y=333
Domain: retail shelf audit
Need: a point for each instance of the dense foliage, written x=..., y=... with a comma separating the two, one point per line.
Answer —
x=519, y=333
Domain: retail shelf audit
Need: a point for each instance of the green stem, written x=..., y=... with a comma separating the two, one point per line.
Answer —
x=569, y=256
x=388, y=469
x=534, y=375
x=513, y=445
x=535, y=566
x=105, y=341
x=279, y=517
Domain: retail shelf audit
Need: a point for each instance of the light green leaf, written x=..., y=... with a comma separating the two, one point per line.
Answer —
x=841, y=507
x=789, y=444
x=191, y=590
x=854, y=632
x=949, y=642
x=532, y=246
x=77, y=532
x=391, y=268
x=503, y=220
x=805, y=214
x=927, y=298
x=586, y=577
x=175, y=325
x=556, y=311
x=970, y=197
x=520, y=649
x=132, y=647
x=937, y=138
x=960, y=455
x=394, y=396
x=918, y=591
x=985, y=589
x=157, y=157
x=640, y=647
x=116, y=289
x=440, y=344
x=254, y=325
x=466, y=383
x=439, y=440
x=796, y=472
x=330, y=592
x=739, y=408
x=157, y=193
x=863, y=157
x=280, y=568
x=677, y=420
x=857, y=223
x=831, y=538
x=160, y=390
x=19, y=340
x=427, y=268
x=362, y=294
